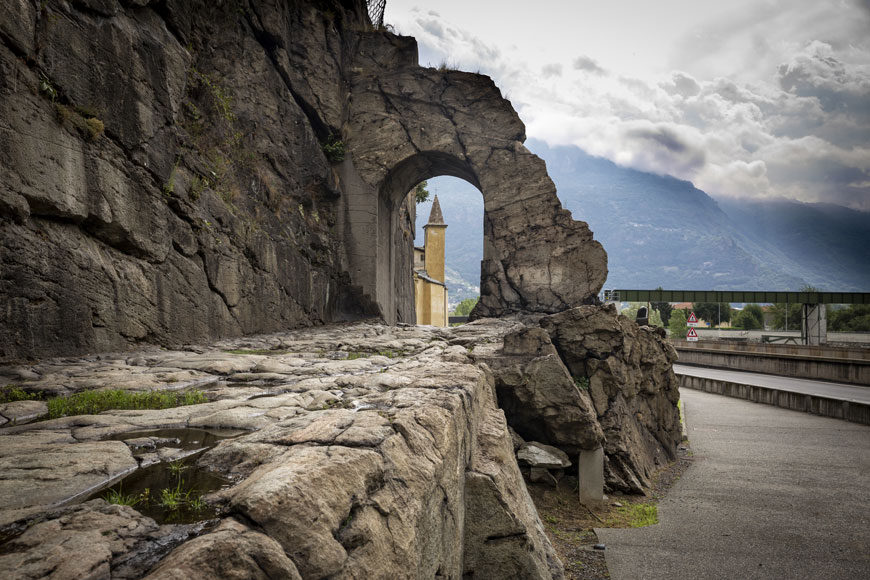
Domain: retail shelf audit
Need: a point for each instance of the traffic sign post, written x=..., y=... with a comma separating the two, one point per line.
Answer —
x=692, y=336
x=693, y=320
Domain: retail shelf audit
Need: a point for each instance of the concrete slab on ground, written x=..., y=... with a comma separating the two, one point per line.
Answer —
x=772, y=494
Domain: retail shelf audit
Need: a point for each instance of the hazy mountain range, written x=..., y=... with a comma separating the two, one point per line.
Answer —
x=662, y=231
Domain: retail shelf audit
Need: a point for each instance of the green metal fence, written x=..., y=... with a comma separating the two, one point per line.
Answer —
x=757, y=297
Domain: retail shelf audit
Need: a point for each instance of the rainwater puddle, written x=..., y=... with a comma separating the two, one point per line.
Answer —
x=169, y=486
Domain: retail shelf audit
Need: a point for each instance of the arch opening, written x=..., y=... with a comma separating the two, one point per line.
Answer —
x=397, y=214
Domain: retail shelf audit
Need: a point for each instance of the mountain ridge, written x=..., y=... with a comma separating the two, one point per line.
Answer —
x=662, y=231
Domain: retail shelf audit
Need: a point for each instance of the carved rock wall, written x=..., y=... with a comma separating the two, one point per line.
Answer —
x=161, y=171
x=409, y=124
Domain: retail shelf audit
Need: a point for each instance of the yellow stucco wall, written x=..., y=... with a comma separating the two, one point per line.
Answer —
x=431, y=302
x=435, y=250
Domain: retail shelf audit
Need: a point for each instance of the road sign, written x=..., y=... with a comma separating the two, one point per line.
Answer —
x=693, y=320
x=692, y=336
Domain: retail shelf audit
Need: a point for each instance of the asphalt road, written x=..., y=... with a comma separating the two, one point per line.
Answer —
x=806, y=386
x=772, y=494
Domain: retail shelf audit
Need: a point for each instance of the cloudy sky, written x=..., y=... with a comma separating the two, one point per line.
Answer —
x=743, y=98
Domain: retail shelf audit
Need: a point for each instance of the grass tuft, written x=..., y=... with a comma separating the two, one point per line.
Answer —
x=118, y=497
x=12, y=393
x=94, y=402
x=637, y=515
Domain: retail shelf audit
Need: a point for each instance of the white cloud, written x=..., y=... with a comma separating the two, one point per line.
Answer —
x=798, y=126
x=588, y=64
x=552, y=70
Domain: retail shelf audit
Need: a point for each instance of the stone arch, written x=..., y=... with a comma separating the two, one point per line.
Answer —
x=411, y=123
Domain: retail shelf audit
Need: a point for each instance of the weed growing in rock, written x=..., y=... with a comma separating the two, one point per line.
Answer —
x=93, y=402
x=582, y=383
x=197, y=504
x=95, y=128
x=173, y=498
x=118, y=497
x=46, y=88
x=176, y=467
x=333, y=149
x=12, y=393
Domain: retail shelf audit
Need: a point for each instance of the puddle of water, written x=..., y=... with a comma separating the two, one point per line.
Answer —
x=170, y=491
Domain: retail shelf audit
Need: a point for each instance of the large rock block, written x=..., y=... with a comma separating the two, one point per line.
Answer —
x=628, y=370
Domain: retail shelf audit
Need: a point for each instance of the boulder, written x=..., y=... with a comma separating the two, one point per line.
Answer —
x=536, y=454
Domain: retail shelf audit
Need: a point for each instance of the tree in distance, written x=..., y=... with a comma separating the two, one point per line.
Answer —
x=855, y=318
x=712, y=312
x=786, y=316
x=663, y=308
x=677, y=324
x=630, y=312
x=465, y=307
x=750, y=318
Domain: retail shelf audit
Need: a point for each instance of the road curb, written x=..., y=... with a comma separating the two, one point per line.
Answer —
x=845, y=409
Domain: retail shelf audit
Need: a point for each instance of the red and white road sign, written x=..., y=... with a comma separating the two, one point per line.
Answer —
x=693, y=320
x=692, y=335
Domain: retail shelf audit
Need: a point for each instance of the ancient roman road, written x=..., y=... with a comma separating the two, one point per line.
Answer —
x=804, y=386
x=772, y=493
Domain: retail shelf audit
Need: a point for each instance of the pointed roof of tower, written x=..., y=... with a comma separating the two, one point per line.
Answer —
x=435, y=217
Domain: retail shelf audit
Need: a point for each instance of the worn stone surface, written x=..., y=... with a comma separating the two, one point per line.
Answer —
x=94, y=540
x=371, y=451
x=244, y=554
x=540, y=397
x=154, y=191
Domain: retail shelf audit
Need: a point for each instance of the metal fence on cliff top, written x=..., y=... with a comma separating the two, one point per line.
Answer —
x=376, y=12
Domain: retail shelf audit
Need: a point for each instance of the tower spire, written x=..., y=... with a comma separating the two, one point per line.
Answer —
x=435, y=217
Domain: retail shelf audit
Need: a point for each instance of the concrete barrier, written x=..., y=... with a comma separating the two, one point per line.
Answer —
x=847, y=410
x=820, y=363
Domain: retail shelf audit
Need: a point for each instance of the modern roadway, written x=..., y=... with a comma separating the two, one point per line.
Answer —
x=771, y=494
x=855, y=393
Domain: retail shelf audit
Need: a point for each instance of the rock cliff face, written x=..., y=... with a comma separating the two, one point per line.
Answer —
x=181, y=170
x=161, y=171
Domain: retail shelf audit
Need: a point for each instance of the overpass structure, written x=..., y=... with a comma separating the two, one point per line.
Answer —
x=814, y=328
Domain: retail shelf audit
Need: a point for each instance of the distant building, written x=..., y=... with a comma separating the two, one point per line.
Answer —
x=430, y=291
